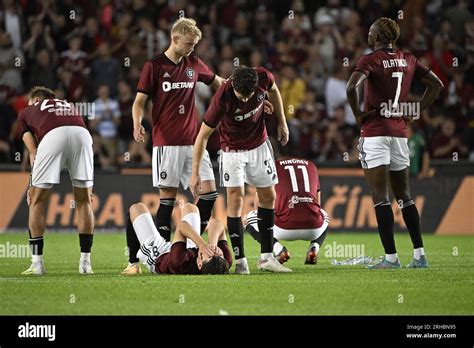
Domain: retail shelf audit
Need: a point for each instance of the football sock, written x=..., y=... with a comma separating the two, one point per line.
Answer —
x=391, y=257
x=315, y=244
x=265, y=256
x=163, y=217
x=36, y=245
x=321, y=238
x=412, y=221
x=85, y=241
x=277, y=247
x=418, y=253
x=205, y=205
x=385, y=221
x=132, y=242
x=266, y=218
x=236, y=234
x=86, y=257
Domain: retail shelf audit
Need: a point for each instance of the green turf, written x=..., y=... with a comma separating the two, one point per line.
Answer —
x=445, y=288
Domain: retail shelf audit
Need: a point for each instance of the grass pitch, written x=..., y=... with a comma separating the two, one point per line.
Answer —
x=444, y=289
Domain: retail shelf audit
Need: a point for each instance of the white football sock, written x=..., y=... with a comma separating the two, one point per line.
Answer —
x=315, y=245
x=86, y=257
x=265, y=256
x=36, y=258
x=277, y=248
x=418, y=253
x=391, y=257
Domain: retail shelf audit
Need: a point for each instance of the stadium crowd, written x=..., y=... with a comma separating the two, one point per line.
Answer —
x=93, y=51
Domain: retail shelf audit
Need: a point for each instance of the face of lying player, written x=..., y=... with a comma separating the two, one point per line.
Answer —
x=205, y=257
x=184, y=44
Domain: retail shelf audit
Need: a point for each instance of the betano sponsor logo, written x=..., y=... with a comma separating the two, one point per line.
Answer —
x=168, y=86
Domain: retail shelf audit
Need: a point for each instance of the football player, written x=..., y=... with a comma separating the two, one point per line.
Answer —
x=387, y=74
x=246, y=155
x=56, y=138
x=298, y=213
x=187, y=254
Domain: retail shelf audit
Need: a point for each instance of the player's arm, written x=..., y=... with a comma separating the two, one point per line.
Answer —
x=198, y=153
x=31, y=145
x=352, y=90
x=138, y=110
x=433, y=88
x=275, y=98
x=217, y=82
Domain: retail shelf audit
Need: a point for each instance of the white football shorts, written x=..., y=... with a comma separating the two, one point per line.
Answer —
x=173, y=165
x=67, y=147
x=255, y=167
x=389, y=151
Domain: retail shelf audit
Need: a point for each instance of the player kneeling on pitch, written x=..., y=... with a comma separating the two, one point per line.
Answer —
x=298, y=213
x=187, y=254
x=57, y=138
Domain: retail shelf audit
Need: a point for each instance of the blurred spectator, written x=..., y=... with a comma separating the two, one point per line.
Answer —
x=154, y=41
x=336, y=95
x=106, y=70
x=74, y=59
x=106, y=120
x=440, y=60
x=13, y=22
x=447, y=143
x=40, y=39
x=43, y=72
x=11, y=63
x=419, y=155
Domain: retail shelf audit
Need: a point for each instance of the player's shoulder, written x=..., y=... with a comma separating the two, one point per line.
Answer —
x=225, y=91
x=262, y=73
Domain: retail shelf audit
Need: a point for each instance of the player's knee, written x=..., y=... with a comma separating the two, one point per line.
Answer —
x=267, y=198
x=137, y=209
x=235, y=201
x=189, y=208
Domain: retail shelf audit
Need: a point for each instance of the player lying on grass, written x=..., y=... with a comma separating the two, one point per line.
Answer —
x=298, y=213
x=387, y=74
x=56, y=138
x=187, y=254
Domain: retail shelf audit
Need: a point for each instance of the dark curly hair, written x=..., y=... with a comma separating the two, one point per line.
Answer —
x=215, y=265
x=388, y=30
x=245, y=80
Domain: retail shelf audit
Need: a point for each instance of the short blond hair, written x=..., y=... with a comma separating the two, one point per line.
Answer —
x=186, y=26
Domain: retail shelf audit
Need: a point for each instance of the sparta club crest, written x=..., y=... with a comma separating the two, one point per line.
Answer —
x=190, y=73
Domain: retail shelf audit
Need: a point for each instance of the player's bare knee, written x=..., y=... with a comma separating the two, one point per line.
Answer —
x=137, y=209
x=189, y=208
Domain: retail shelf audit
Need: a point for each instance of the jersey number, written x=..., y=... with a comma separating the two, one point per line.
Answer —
x=399, y=76
x=294, y=182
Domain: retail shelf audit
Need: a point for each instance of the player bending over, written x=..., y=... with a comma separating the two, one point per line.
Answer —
x=246, y=155
x=56, y=138
x=188, y=254
x=298, y=213
x=387, y=74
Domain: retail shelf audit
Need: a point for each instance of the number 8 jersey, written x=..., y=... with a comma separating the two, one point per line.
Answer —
x=389, y=75
x=297, y=205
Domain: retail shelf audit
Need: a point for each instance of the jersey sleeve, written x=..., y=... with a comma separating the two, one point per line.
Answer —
x=22, y=126
x=420, y=69
x=205, y=74
x=215, y=112
x=267, y=78
x=364, y=65
x=145, y=84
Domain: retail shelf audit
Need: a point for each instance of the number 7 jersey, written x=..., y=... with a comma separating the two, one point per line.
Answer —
x=297, y=205
x=389, y=76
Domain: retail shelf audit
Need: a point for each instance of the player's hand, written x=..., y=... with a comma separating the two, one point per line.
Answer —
x=267, y=107
x=28, y=197
x=361, y=116
x=283, y=134
x=139, y=134
x=195, y=185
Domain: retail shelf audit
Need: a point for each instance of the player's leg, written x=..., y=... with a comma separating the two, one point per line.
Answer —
x=167, y=167
x=152, y=244
x=39, y=197
x=235, y=202
x=208, y=194
x=317, y=240
x=85, y=224
x=378, y=181
x=251, y=226
x=401, y=189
